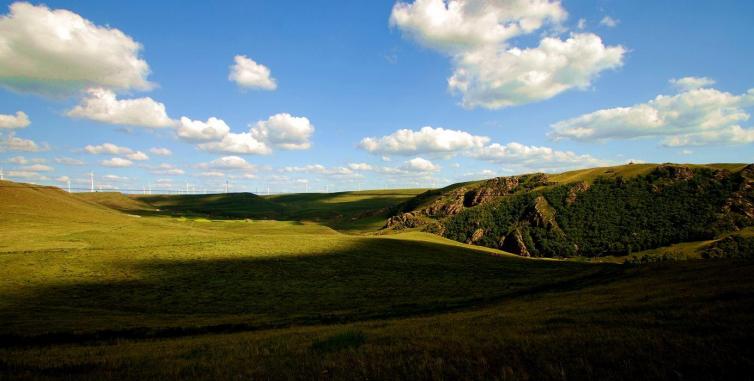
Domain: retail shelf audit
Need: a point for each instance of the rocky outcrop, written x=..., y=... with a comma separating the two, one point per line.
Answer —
x=573, y=193
x=741, y=202
x=502, y=186
x=514, y=243
x=403, y=221
x=543, y=215
x=674, y=172
x=476, y=236
x=448, y=206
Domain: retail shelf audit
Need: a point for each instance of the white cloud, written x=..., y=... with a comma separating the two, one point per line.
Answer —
x=425, y=140
x=310, y=168
x=533, y=157
x=38, y=168
x=609, y=22
x=198, y=131
x=488, y=71
x=18, y=160
x=137, y=156
x=581, y=25
x=160, y=151
x=114, y=178
x=68, y=161
x=496, y=79
x=360, y=167
x=20, y=120
x=249, y=74
x=28, y=175
x=167, y=169
x=460, y=25
x=212, y=174
x=419, y=164
x=228, y=162
x=117, y=162
x=63, y=179
x=102, y=105
x=14, y=143
x=694, y=117
x=243, y=143
x=284, y=131
x=691, y=83
x=107, y=148
x=52, y=51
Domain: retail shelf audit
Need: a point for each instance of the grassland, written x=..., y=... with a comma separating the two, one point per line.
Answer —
x=89, y=292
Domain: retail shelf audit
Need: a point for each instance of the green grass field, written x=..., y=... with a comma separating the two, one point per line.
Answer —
x=90, y=292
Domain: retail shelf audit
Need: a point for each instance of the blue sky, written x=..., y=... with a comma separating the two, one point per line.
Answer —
x=580, y=91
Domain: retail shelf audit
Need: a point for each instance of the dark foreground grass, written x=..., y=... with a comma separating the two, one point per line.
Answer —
x=680, y=321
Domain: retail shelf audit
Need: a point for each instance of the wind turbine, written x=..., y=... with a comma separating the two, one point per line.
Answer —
x=2, y=176
x=69, y=185
x=91, y=178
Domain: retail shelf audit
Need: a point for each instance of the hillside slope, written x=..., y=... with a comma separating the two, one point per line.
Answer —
x=593, y=212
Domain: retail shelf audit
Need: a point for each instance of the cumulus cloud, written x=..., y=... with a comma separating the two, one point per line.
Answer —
x=691, y=83
x=102, y=105
x=533, y=157
x=496, y=79
x=695, y=117
x=38, y=168
x=609, y=22
x=198, y=131
x=282, y=131
x=27, y=175
x=228, y=162
x=424, y=141
x=247, y=73
x=160, y=151
x=137, y=156
x=360, y=166
x=488, y=71
x=460, y=25
x=13, y=143
x=243, y=143
x=53, y=51
x=117, y=162
x=19, y=120
x=107, y=148
x=419, y=164
x=167, y=169
x=115, y=178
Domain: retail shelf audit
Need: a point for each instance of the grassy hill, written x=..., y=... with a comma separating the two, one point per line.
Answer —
x=89, y=292
x=355, y=212
x=592, y=212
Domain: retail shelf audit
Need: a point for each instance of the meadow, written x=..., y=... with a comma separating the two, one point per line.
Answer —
x=154, y=291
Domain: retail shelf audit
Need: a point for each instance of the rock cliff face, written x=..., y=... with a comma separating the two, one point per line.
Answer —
x=741, y=202
x=620, y=211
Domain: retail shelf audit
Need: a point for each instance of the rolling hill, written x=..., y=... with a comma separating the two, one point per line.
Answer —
x=89, y=292
x=593, y=212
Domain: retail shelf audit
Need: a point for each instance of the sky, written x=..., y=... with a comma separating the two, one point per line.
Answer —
x=291, y=96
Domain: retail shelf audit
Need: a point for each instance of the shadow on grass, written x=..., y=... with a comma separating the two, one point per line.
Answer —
x=373, y=278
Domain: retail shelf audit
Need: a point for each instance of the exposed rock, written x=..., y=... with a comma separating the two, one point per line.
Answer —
x=402, y=221
x=742, y=200
x=543, y=215
x=514, y=243
x=478, y=234
x=575, y=190
x=449, y=206
x=501, y=186
x=675, y=172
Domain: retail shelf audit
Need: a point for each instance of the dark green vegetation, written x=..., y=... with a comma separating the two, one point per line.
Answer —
x=90, y=292
x=591, y=216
